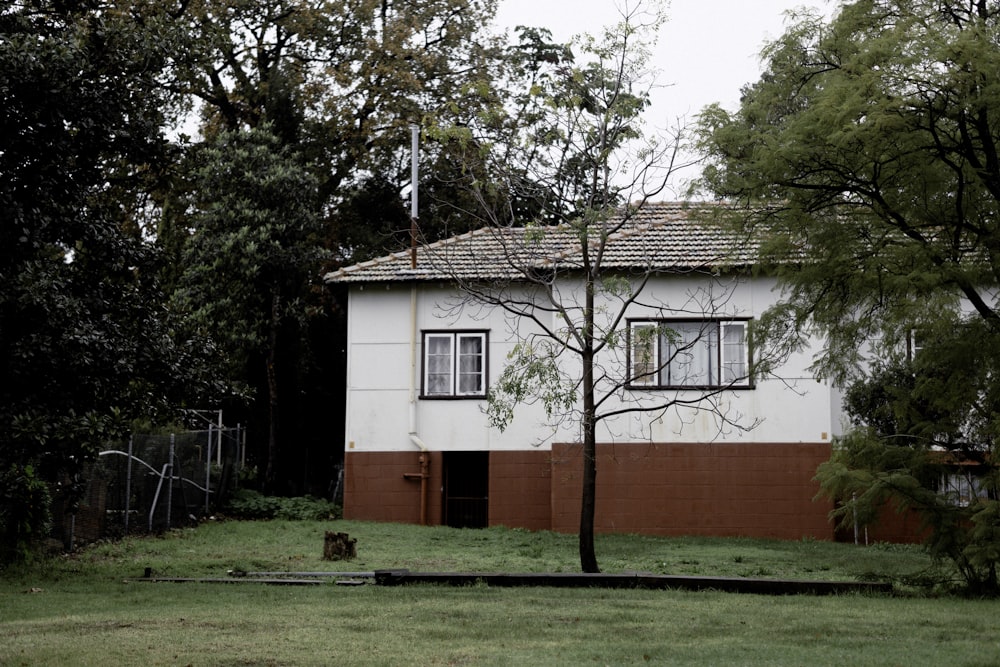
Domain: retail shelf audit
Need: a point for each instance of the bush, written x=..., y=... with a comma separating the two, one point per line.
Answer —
x=248, y=504
x=917, y=423
x=25, y=513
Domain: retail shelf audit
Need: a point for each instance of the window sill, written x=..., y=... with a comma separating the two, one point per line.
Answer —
x=441, y=397
x=690, y=387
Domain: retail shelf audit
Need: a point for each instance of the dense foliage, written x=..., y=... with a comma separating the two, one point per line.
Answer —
x=870, y=149
x=252, y=257
x=923, y=434
x=176, y=177
x=85, y=343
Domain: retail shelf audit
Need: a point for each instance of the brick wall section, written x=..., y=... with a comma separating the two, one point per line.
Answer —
x=759, y=490
x=375, y=488
x=521, y=489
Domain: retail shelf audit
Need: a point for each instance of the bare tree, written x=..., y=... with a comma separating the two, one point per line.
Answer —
x=578, y=272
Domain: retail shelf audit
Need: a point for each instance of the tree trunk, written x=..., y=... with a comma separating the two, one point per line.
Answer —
x=272, y=395
x=588, y=505
x=588, y=557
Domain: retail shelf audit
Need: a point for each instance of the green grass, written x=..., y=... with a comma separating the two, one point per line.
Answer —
x=214, y=548
x=79, y=610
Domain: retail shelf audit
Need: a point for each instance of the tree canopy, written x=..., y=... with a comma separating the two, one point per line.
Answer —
x=868, y=153
x=871, y=143
x=252, y=259
x=85, y=344
x=341, y=83
x=172, y=175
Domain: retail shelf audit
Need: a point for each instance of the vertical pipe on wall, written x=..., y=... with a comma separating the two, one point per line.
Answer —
x=414, y=181
x=424, y=474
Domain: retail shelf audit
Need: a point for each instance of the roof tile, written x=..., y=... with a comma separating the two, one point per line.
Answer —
x=655, y=237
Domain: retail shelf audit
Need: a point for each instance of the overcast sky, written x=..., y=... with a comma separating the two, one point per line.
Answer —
x=706, y=52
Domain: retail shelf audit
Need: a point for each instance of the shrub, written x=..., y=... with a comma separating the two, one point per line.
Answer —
x=248, y=504
x=25, y=513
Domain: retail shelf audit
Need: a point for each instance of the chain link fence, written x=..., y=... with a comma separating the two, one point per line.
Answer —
x=153, y=483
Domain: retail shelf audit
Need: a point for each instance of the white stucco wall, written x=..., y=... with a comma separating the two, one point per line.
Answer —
x=380, y=374
x=792, y=407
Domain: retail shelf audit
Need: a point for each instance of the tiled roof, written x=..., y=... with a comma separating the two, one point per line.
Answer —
x=658, y=237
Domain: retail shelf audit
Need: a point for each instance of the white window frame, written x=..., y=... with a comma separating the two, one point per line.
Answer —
x=722, y=369
x=452, y=370
x=727, y=365
x=913, y=344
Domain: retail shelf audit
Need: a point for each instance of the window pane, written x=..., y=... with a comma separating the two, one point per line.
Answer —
x=734, y=353
x=644, y=358
x=692, y=349
x=439, y=345
x=470, y=364
x=438, y=365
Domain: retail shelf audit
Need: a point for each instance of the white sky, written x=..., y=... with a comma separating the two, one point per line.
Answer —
x=706, y=52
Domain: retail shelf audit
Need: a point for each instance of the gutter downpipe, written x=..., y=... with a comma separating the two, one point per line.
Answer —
x=424, y=474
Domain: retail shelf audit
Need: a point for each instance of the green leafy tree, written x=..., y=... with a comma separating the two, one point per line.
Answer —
x=338, y=84
x=341, y=83
x=869, y=150
x=85, y=343
x=924, y=434
x=252, y=252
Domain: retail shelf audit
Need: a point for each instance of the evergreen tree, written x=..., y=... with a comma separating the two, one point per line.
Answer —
x=868, y=154
x=86, y=345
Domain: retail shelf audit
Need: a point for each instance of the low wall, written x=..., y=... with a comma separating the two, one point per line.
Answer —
x=754, y=490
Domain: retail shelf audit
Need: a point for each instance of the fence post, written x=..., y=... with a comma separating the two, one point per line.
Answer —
x=208, y=468
x=170, y=484
x=128, y=480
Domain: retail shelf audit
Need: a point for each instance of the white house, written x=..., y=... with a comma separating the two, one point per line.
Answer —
x=422, y=356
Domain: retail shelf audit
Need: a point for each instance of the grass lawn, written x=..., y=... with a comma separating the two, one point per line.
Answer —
x=80, y=610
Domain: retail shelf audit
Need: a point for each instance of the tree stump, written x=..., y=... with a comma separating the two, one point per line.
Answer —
x=339, y=546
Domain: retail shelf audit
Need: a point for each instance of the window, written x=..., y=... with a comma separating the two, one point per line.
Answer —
x=914, y=343
x=689, y=353
x=454, y=364
x=962, y=487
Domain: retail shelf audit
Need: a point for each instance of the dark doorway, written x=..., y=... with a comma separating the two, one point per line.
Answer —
x=466, y=489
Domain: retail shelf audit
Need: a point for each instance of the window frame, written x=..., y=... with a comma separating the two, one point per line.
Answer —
x=455, y=373
x=719, y=364
x=913, y=344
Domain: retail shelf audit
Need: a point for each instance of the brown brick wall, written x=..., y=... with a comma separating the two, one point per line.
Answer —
x=759, y=490
x=521, y=489
x=375, y=488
